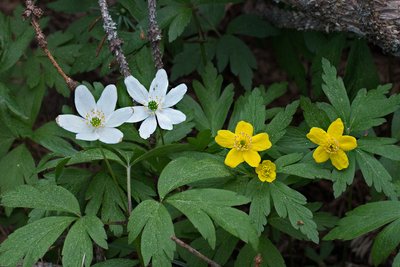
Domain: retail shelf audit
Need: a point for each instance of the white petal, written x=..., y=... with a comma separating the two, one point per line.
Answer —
x=90, y=136
x=174, y=96
x=148, y=127
x=119, y=116
x=84, y=100
x=163, y=120
x=139, y=113
x=136, y=90
x=159, y=85
x=175, y=116
x=108, y=100
x=110, y=135
x=73, y=123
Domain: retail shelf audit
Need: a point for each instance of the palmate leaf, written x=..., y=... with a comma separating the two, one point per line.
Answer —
x=32, y=241
x=179, y=23
x=201, y=204
x=78, y=250
x=381, y=146
x=260, y=206
x=313, y=115
x=156, y=244
x=290, y=203
x=341, y=179
x=46, y=197
x=182, y=171
x=386, y=242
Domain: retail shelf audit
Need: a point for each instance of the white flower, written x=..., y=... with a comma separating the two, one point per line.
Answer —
x=156, y=103
x=99, y=119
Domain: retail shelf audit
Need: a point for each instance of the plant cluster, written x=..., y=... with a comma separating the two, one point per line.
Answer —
x=212, y=171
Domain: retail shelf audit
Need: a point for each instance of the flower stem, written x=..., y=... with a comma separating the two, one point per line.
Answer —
x=128, y=188
x=162, y=136
x=201, y=37
x=108, y=165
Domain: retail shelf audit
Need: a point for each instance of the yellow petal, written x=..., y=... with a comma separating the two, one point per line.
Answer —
x=271, y=177
x=261, y=142
x=340, y=160
x=225, y=138
x=320, y=155
x=244, y=127
x=336, y=128
x=234, y=158
x=252, y=158
x=317, y=136
x=347, y=142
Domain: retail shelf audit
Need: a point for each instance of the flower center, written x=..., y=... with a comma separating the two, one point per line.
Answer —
x=152, y=105
x=332, y=146
x=242, y=141
x=95, y=118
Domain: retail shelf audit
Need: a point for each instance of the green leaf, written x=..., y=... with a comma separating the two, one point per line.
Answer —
x=17, y=167
x=216, y=203
x=381, y=146
x=343, y=178
x=306, y=170
x=31, y=242
x=251, y=25
x=288, y=159
x=8, y=101
x=271, y=257
x=77, y=249
x=45, y=197
x=162, y=151
x=313, y=115
x=108, y=198
x=274, y=91
x=156, y=243
x=290, y=203
x=260, y=206
x=386, y=242
x=117, y=263
x=184, y=171
x=334, y=89
x=179, y=23
x=95, y=228
x=368, y=108
x=253, y=110
x=361, y=71
x=375, y=174
x=276, y=128
x=396, y=125
x=364, y=219
x=242, y=61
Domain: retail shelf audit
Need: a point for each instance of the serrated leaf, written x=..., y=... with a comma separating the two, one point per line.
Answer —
x=288, y=159
x=156, y=243
x=45, y=197
x=314, y=116
x=375, y=174
x=290, y=203
x=343, y=178
x=7, y=100
x=260, y=206
x=32, y=241
x=77, y=249
x=381, y=146
x=117, y=263
x=334, y=89
x=385, y=242
x=184, y=171
x=201, y=204
x=179, y=23
x=95, y=228
x=306, y=170
x=369, y=108
x=274, y=91
x=364, y=219
x=276, y=128
x=162, y=151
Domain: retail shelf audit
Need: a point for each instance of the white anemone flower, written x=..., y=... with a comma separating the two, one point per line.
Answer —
x=98, y=120
x=156, y=103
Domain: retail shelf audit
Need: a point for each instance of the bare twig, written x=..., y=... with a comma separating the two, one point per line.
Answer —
x=154, y=34
x=115, y=44
x=195, y=252
x=258, y=260
x=34, y=13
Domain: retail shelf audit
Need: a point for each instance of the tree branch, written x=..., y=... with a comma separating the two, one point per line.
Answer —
x=115, y=44
x=154, y=34
x=376, y=20
x=34, y=13
x=195, y=252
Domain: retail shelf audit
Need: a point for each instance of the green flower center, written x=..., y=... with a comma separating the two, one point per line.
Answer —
x=332, y=146
x=95, y=122
x=242, y=142
x=152, y=105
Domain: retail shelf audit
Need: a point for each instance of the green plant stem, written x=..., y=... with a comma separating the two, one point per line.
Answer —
x=201, y=37
x=128, y=188
x=162, y=135
x=108, y=165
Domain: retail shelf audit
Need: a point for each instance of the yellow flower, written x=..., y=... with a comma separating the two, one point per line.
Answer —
x=244, y=145
x=266, y=171
x=332, y=144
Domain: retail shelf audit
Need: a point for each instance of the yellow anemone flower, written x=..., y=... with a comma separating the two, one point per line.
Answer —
x=332, y=144
x=266, y=171
x=244, y=145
